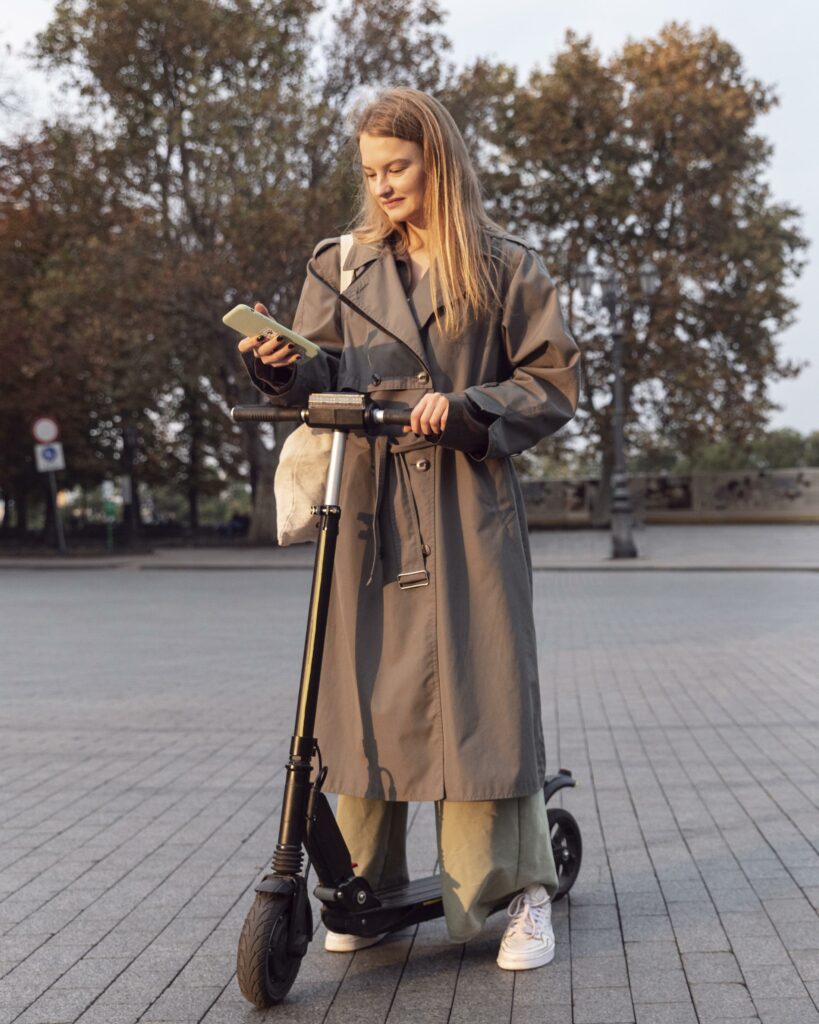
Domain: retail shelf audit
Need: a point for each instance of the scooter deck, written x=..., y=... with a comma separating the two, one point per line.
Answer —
x=420, y=890
x=401, y=906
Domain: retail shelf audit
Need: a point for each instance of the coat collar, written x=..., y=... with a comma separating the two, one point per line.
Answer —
x=360, y=254
x=378, y=292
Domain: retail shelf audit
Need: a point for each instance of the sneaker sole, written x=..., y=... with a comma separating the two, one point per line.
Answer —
x=336, y=942
x=522, y=962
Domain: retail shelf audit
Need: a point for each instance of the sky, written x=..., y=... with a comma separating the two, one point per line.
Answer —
x=777, y=43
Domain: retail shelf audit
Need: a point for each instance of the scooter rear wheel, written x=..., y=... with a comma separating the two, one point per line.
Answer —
x=567, y=847
x=264, y=968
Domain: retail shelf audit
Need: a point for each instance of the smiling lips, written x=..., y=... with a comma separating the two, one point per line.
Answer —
x=392, y=202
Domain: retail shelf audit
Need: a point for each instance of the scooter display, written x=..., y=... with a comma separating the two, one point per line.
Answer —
x=279, y=926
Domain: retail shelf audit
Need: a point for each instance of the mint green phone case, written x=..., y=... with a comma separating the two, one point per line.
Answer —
x=247, y=322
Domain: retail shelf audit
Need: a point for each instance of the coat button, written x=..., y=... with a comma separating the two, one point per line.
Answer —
x=426, y=549
x=375, y=379
x=423, y=377
x=422, y=465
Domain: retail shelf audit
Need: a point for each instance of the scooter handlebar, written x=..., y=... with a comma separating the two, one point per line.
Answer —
x=369, y=416
x=265, y=414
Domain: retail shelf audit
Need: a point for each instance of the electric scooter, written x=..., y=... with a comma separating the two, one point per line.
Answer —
x=279, y=926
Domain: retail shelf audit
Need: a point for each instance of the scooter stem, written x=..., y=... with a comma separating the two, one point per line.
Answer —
x=333, y=485
x=320, y=596
x=287, y=859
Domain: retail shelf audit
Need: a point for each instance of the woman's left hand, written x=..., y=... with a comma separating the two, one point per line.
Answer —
x=429, y=415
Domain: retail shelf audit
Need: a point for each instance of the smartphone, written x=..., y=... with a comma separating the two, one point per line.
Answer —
x=248, y=322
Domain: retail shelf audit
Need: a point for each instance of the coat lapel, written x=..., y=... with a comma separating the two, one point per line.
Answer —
x=422, y=299
x=425, y=304
x=377, y=291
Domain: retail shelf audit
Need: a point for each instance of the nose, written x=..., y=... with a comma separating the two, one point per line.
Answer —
x=382, y=186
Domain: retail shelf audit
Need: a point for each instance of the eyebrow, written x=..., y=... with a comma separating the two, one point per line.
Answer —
x=389, y=163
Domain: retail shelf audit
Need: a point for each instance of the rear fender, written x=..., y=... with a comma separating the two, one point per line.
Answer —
x=555, y=782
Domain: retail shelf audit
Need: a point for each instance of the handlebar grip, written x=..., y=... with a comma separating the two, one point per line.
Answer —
x=393, y=417
x=264, y=414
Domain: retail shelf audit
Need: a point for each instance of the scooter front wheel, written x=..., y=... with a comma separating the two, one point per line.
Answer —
x=264, y=968
x=567, y=848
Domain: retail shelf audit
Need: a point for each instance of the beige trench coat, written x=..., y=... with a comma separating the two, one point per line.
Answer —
x=429, y=686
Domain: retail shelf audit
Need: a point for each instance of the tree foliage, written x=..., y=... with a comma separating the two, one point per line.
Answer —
x=653, y=155
x=212, y=152
x=772, y=449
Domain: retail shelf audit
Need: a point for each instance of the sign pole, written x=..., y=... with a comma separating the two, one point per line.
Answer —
x=48, y=456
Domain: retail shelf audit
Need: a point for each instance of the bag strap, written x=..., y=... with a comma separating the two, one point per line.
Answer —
x=346, y=277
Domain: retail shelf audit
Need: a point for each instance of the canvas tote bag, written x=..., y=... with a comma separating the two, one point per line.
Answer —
x=302, y=471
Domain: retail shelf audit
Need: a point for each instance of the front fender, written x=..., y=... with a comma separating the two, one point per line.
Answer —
x=277, y=884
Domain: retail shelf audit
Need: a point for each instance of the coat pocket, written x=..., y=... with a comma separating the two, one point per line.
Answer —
x=392, y=366
x=496, y=490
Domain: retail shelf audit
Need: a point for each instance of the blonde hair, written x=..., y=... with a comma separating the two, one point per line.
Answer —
x=460, y=262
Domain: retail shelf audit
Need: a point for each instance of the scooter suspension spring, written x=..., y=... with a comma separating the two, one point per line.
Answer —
x=287, y=860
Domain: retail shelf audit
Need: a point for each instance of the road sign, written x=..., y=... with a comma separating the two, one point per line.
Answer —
x=45, y=430
x=49, y=457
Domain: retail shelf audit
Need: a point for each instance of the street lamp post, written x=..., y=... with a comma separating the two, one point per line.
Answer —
x=613, y=301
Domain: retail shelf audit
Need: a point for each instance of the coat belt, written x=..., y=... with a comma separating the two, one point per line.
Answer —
x=412, y=571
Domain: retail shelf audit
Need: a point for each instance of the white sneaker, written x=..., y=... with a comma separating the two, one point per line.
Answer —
x=529, y=940
x=338, y=942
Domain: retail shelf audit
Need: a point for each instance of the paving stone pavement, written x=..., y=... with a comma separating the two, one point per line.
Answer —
x=792, y=547
x=145, y=719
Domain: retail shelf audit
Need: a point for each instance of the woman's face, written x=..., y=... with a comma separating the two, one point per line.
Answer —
x=394, y=169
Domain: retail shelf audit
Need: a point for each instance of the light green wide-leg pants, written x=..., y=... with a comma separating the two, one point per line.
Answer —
x=487, y=850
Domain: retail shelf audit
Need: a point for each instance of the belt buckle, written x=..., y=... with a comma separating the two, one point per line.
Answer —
x=421, y=579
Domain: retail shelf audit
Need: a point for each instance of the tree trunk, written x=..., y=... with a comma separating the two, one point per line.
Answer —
x=263, y=522
x=21, y=510
x=193, y=506
x=136, y=506
x=49, y=534
x=253, y=453
x=194, y=425
x=81, y=520
x=131, y=515
x=601, y=512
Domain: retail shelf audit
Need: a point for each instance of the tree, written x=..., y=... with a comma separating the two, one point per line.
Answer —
x=654, y=154
x=812, y=449
x=232, y=146
x=201, y=102
x=56, y=213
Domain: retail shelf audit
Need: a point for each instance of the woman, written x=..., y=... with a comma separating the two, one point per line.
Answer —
x=429, y=685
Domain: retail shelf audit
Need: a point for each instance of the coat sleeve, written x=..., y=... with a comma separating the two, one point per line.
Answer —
x=318, y=317
x=497, y=419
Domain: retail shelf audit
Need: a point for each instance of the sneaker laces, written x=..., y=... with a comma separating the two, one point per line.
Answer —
x=529, y=913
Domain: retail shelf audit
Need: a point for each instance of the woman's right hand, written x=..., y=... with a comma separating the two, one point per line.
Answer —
x=270, y=348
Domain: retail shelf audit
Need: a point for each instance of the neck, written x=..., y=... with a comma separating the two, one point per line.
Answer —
x=417, y=237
